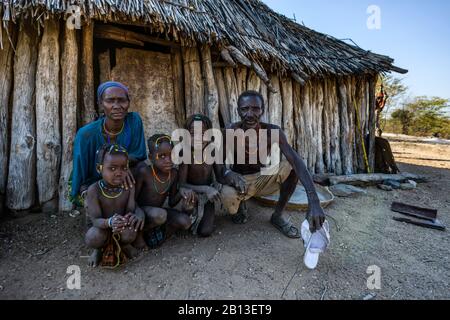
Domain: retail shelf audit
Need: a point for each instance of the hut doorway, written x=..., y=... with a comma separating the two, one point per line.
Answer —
x=148, y=72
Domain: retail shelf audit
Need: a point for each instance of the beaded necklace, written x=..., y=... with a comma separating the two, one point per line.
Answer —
x=104, y=189
x=155, y=175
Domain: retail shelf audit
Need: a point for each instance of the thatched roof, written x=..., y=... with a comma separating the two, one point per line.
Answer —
x=263, y=35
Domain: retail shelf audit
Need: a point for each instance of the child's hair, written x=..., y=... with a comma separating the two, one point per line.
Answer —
x=155, y=140
x=198, y=117
x=111, y=149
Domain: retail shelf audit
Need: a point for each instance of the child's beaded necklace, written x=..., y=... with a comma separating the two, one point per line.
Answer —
x=155, y=176
x=104, y=189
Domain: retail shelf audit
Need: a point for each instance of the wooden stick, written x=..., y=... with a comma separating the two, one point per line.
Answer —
x=288, y=109
x=6, y=84
x=241, y=79
x=48, y=138
x=223, y=97
x=253, y=81
x=372, y=119
x=22, y=171
x=232, y=94
x=275, y=102
x=212, y=95
x=345, y=142
x=69, y=67
x=194, y=88
x=178, y=86
x=88, y=112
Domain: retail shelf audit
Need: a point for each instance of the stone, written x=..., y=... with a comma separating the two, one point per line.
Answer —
x=392, y=183
x=344, y=190
x=407, y=186
x=385, y=187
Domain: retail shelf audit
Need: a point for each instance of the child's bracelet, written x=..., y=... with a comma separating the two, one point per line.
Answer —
x=110, y=222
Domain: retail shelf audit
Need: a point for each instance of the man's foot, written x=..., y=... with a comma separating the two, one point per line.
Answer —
x=241, y=217
x=285, y=226
x=94, y=258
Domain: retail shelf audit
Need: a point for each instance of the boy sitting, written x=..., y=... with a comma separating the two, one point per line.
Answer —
x=199, y=177
x=112, y=211
x=156, y=183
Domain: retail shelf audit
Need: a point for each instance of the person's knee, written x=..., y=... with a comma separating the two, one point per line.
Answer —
x=127, y=236
x=96, y=238
x=157, y=216
x=183, y=222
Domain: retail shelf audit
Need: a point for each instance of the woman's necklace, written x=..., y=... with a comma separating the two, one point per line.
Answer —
x=155, y=175
x=109, y=193
x=111, y=133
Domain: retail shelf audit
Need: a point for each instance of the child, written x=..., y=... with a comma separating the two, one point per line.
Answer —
x=198, y=177
x=112, y=210
x=156, y=183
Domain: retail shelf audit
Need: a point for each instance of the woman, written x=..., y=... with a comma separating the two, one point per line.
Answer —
x=117, y=126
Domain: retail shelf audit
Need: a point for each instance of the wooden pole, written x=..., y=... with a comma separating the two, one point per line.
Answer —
x=372, y=119
x=241, y=80
x=275, y=102
x=320, y=168
x=194, y=88
x=253, y=81
x=6, y=84
x=178, y=86
x=299, y=120
x=48, y=139
x=326, y=126
x=345, y=142
x=288, y=110
x=20, y=190
x=264, y=92
x=69, y=67
x=232, y=94
x=212, y=95
x=335, y=129
x=223, y=98
x=88, y=112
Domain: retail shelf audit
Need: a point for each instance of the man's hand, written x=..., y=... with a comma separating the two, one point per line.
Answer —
x=237, y=181
x=128, y=181
x=213, y=194
x=315, y=217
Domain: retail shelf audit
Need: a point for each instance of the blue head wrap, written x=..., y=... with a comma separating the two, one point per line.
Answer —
x=110, y=84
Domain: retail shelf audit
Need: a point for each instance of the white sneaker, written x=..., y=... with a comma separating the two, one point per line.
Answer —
x=315, y=243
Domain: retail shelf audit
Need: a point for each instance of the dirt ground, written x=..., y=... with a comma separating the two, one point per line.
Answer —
x=253, y=261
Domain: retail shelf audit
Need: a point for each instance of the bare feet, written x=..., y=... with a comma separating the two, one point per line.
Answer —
x=94, y=258
x=130, y=251
x=139, y=243
x=241, y=217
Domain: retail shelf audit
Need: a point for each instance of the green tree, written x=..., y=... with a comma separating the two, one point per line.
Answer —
x=405, y=118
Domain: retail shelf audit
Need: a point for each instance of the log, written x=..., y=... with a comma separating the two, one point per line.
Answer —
x=351, y=121
x=225, y=54
x=69, y=102
x=20, y=190
x=253, y=81
x=48, y=139
x=288, y=110
x=223, y=97
x=306, y=107
x=88, y=112
x=104, y=72
x=335, y=148
x=6, y=84
x=232, y=94
x=373, y=179
x=319, y=166
x=371, y=123
x=212, y=95
x=327, y=126
x=299, y=120
x=241, y=80
x=345, y=141
x=265, y=95
x=194, y=89
x=239, y=56
x=263, y=76
x=359, y=127
x=178, y=86
x=275, y=102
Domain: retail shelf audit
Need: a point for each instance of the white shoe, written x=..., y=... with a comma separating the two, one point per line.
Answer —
x=315, y=243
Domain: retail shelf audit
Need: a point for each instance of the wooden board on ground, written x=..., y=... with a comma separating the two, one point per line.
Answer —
x=299, y=201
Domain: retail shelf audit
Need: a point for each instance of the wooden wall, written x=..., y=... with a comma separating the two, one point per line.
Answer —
x=47, y=93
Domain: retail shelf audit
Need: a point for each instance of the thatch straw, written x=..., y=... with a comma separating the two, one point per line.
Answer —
x=263, y=36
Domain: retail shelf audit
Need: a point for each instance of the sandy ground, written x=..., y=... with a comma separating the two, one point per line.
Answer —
x=253, y=261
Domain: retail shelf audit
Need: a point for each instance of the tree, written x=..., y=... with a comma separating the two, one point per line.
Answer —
x=405, y=117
